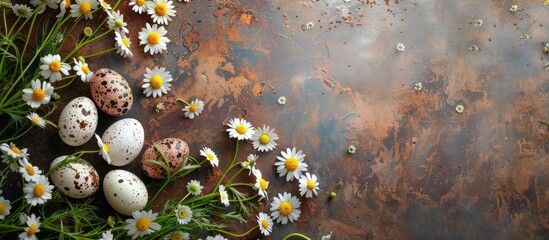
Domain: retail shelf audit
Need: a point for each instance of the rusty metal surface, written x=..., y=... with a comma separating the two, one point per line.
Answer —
x=422, y=170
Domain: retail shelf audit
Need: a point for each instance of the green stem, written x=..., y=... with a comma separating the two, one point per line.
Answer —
x=18, y=136
x=235, y=234
x=156, y=194
x=28, y=37
x=236, y=174
x=183, y=199
x=100, y=53
x=12, y=27
x=296, y=235
x=240, y=184
x=230, y=165
x=67, y=84
x=5, y=21
x=181, y=100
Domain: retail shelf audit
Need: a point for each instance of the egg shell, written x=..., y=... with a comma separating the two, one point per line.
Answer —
x=124, y=191
x=110, y=92
x=125, y=140
x=78, y=121
x=175, y=151
x=76, y=179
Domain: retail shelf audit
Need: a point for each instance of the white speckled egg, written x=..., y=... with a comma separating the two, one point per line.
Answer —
x=78, y=121
x=124, y=139
x=111, y=92
x=125, y=192
x=76, y=179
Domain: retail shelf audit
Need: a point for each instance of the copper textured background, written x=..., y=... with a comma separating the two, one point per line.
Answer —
x=421, y=171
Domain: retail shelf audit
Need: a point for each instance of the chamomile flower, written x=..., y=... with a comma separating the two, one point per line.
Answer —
x=513, y=8
x=460, y=108
x=161, y=11
x=107, y=235
x=261, y=185
x=52, y=67
x=33, y=226
x=194, y=109
x=240, y=129
x=141, y=224
x=29, y=172
x=281, y=100
x=308, y=185
x=36, y=120
x=183, y=214
x=83, y=8
x=38, y=94
x=223, y=195
x=401, y=47
x=63, y=6
x=309, y=25
x=22, y=10
x=418, y=86
x=5, y=208
x=216, y=237
x=479, y=22
x=351, y=149
x=264, y=139
x=104, y=149
x=153, y=38
x=265, y=223
x=177, y=235
x=284, y=208
x=41, y=4
x=291, y=164
x=210, y=156
x=106, y=6
x=249, y=163
x=194, y=187
x=82, y=69
x=122, y=44
x=13, y=151
x=160, y=107
x=157, y=82
x=116, y=22
x=138, y=6
x=38, y=192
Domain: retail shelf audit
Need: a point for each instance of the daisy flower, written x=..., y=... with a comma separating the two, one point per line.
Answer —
x=106, y=6
x=193, y=109
x=249, y=163
x=223, y=195
x=261, y=185
x=351, y=149
x=216, y=237
x=36, y=120
x=123, y=44
x=264, y=139
x=38, y=94
x=116, y=22
x=83, y=8
x=284, y=208
x=139, y=6
x=13, y=151
x=178, y=235
x=157, y=82
x=142, y=224
x=265, y=223
x=183, y=214
x=107, y=235
x=240, y=129
x=281, y=100
x=210, y=156
x=5, y=208
x=22, y=10
x=33, y=226
x=52, y=67
x=308, y=185
x=153, y=38
x=400, y=47
x=41, y=4
x=194, y=187
x=29, y=172
x=291, y=164
x=38, y=192
x=104, y=149
x=82, y=70
x=161, y=11
x=460, y=108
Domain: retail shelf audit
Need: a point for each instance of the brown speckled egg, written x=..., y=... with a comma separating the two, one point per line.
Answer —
x=175, y=151
x=110, y=92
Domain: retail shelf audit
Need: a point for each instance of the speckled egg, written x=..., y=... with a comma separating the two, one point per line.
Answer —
x=76, y=179
x=175, y=151
x=125, y=192
x=124, y=139
x=78, y=121
x=110, y=92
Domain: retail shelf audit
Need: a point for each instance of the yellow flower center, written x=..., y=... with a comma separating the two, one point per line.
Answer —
x=15, y=150
x=177, y=236
x=118, y=23
x=126, y=42
x=264, y=224
x=291, y=163
x=140, y=2
x=285, y=208
x=264, y=139
x=67, y=4
x=38, y=95
x=55, y=66
x=30, y=170
x=2, y=208
x=32, y=229
x=223, y=196
x=153, y=38
x=85, y=8
x=156, y=82
x=161, y=9
x=182, y=213
x=210, y=156
x=85, y=69
x=36, y=120
x=310, y=184
x=241, y=129
x=143, y=224
x=262, y=184
x=193, y=108
x=105, y=147
x=39, y=190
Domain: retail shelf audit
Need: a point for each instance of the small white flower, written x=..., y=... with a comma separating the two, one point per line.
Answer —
x=38, y=192
x=281, y=100
x=157, y=82
x=107, y=235
x=142, y=224
x=13, y=151
x=460, y=108
x=84, y=8
x=285, y=208
x=265, y=223
x=139, y=6
x=122, y=44
x=310, y=25
x=116, y=22
x=183, y=214
x=327, y=237
x=418, y=86
x=479, y=22
x=33, y=226
x=41, y=4
x=223, y=195
x=38, y=94
x=106, y=6
x=216, y=237
x=351, y=149
x=261, y=185
x=29, y=172
x=159, y=107
x=22, y=10
x=82, y=69
x=264, y=139
x=161, y=11
x=401, y=47
x=5, y=208
x=36, y=120
x=194, y=109
x=249, y=163
x=513, y=8
x=194, y=187
x=177, y=235
x=210, y=156
x=153, y=38
x=104, y=149
x=308, y=185
x=240, y=129
x=291, y=164
x=52, y=67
